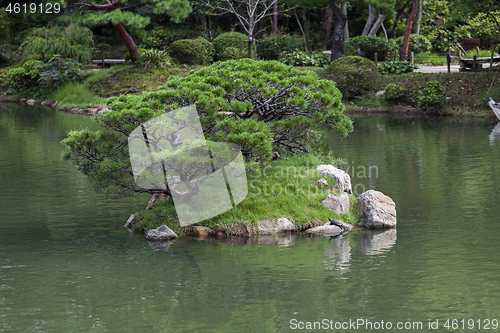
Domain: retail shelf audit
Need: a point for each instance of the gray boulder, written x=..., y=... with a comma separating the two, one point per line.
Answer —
x=161, y=233
x=338, y=204
x=273, y=227
x=329, y=230
x=377, y=210
x=341, y=177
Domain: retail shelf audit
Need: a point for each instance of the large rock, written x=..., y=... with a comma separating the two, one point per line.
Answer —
x=273, y=227
x=161, y=233
x=377, y=210
x=329, y=230
x=338, y=204
x=341, y=177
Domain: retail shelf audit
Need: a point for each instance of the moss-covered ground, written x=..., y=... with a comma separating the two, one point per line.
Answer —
x=283, y=188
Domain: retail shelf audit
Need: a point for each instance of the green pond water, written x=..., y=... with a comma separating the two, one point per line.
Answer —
x=68, y=265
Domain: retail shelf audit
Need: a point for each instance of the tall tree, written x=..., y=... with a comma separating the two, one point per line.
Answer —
x=119, y=13
x=248, y=13
x=409, y=23
x=383, y=8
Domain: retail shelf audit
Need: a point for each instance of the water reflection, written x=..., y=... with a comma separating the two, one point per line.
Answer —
x=375, y=242
x=495, y=134
x=337, y=256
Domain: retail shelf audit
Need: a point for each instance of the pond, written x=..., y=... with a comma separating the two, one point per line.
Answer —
x=68, y=265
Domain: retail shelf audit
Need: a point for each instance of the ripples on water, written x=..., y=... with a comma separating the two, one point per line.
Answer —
x=68, y=265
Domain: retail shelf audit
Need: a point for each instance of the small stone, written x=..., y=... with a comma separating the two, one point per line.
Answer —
x=330, y=230
x=161, y=233
x=30, y=102
x=380, y=93
x=200, y=231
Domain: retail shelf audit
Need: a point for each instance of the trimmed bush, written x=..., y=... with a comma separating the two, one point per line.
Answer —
x=417, y=44
x=367, y=46
x=209, y=58
x=25, y=76
x=393, y=91
x=233, y=39
x=271, y=47
x=354, y=75
x=187, y=51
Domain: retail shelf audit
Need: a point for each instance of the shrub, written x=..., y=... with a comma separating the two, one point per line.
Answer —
x=187, y=51
x=209, y=47
x=162, y=38
x=393, y=91
x=25, y=76
x=432, y=97
x=417, y=44
x=58, y=71
x=230, y=39
x=153, y=58
x=297, y=58
x=354, y=75
x=71, y=42
x=271, y=47
x=367, y=46
x=397, y=67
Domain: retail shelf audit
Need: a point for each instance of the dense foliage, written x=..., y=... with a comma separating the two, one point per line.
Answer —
x=300, y=58
x=432, y=97
x=418, y=43
x=354, y=75
x=271, y=47
x=209, y=47
x=266, y=108
x=71, y=42
x=235, y=40
x=187, y=51
x=367, y=46
x=393, y=91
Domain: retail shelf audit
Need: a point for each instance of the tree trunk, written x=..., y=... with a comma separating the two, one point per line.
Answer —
x=409, y=23
x=129, y=42
x=346, y=28
x=338, y=30
x=418, y=18
x=376, y=25
x=302, y=30
x=369, y=21
x=326, y=27
x=275, y=16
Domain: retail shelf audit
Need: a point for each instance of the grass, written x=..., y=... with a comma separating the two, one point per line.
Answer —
x=430, y=58
x=267, y=199
x=480, y=54
x=75, y=94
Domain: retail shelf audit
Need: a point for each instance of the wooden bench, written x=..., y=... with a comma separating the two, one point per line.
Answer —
x=110, y=62
x=475, y=63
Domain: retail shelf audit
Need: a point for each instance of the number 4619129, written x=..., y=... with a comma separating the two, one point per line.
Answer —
x=32, y=8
